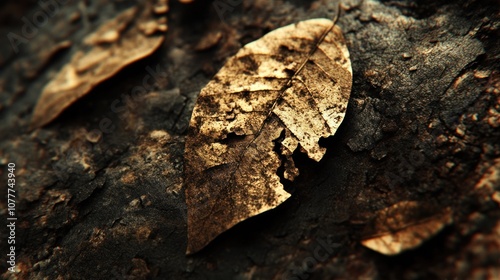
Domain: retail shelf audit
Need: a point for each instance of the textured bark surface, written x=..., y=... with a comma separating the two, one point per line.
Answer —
x=117, y=43
x=421, y=125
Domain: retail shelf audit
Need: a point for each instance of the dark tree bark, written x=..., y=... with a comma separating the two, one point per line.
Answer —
x=422, y=124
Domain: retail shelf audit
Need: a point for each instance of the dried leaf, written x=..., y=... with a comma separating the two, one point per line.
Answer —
x=488, y=186
x=288, y=89
x=404, y=226
x=112, y=47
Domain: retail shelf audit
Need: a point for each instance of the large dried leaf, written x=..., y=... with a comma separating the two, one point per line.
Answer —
x=288, y=89
x=404, y=226
x=128, y=37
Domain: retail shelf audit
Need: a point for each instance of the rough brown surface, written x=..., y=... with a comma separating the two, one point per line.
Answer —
x=421, y=125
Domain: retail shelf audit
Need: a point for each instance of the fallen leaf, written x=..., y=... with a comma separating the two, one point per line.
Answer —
x=125, y=39
x=488, y=186
x=34, y=64
x=286, y=90
x=404, y=226
x=209, y=41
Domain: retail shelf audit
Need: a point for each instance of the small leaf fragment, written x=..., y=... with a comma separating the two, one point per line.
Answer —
x=284, y=91
x=404, y=226
x=488, y=186
x=116, y=44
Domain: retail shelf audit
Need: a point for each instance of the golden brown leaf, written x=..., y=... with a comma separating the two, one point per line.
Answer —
x=288, y=89
x=112, y=47
x=404, y=226
x=209, y=40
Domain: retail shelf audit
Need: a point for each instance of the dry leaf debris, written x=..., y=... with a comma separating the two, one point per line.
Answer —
x=286, y=90
x=404, y=226
x=129, y=37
